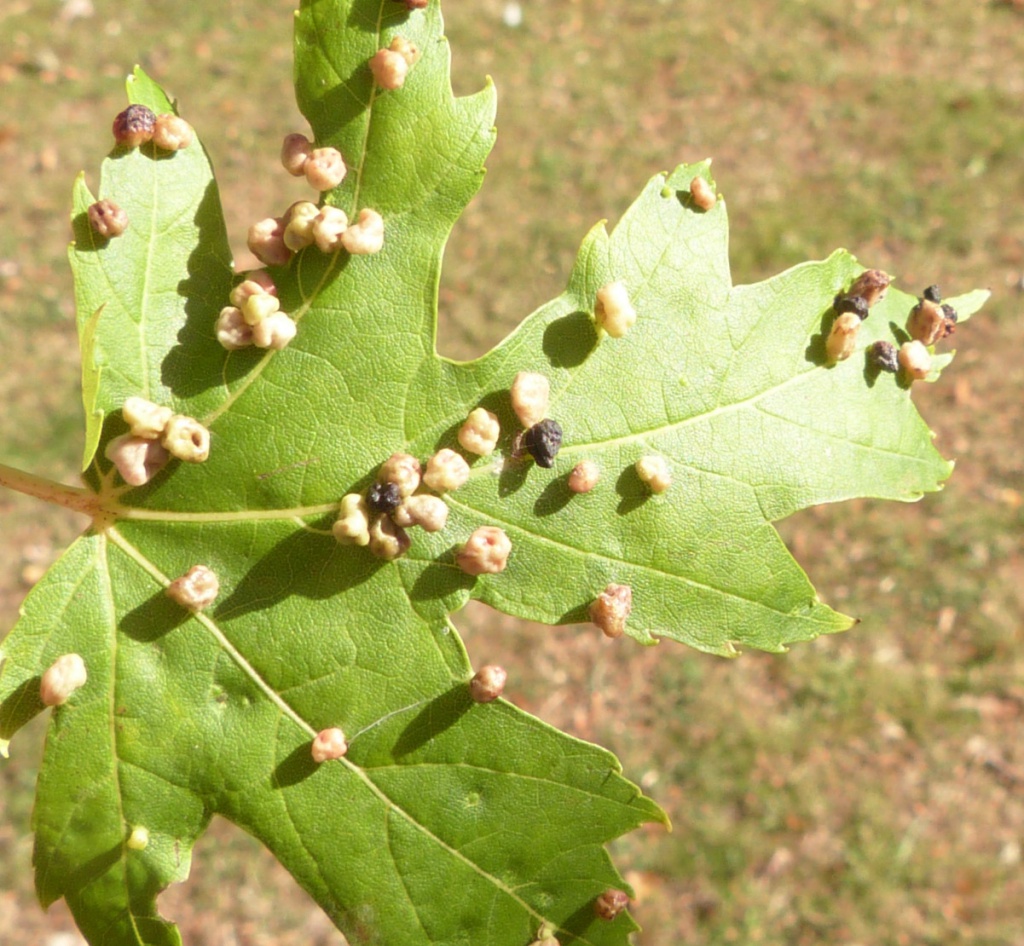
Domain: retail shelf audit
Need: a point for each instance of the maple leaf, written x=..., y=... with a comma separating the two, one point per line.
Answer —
x=447, y=820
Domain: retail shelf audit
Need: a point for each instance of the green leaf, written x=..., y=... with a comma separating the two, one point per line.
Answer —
x=156, y=283
x=447, y=820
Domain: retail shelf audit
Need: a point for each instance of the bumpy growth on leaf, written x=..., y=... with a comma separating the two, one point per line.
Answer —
x=584, y=476
x=446, y=820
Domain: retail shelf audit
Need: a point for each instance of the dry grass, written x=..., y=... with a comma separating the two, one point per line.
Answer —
x=863, y=789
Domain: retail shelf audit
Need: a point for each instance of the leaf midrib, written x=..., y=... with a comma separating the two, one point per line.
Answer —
x=638, y=566
x=570, y=449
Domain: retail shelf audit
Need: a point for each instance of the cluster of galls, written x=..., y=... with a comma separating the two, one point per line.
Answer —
x=390, y=66
x=135, y=126
x=138, y=125
x=852, y=308
x=156, y=434
x=530, y=396
x=929, y=322
x=530, y=401
x=379, y=518
x=254, y=316
x=273, y=240
x=323, y=168
x=542, y=439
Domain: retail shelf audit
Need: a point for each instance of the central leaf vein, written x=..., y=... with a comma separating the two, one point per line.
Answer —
x=650, y=569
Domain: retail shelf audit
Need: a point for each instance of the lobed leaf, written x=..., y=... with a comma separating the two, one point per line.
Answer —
x=447, y=821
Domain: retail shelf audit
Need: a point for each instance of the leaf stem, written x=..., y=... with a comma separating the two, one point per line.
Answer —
x=70, y=497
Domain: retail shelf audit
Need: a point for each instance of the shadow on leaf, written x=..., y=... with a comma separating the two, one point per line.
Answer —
x=20, y=706
x=554, y=497
x=91, y=871
x=899, y=334
x=499, y=403
x=441, y=579
x=86, y=239
x=513, y=476
x=871, y=371
x=156, y=616
x=632, y=491
x=579, y=614
x=579, y=922
x=450, y=438
x=198, y=362
x=306, y=564
x=148, y=148
x=815, y=351
x=364, y=15
x=438, y=715
x=568, y=341
x=296, y=767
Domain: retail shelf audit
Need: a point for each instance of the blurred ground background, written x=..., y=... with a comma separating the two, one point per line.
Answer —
x=865, y=789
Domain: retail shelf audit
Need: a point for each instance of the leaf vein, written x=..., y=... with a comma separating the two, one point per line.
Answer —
x=650, y=569
x=286, y=710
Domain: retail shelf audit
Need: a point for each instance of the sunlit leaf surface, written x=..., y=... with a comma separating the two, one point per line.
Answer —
x=448, y=821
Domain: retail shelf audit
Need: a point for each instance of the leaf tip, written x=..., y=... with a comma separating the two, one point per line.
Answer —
x=5, y=748
x=81, y=197
x=845, y=622
x=828, y=620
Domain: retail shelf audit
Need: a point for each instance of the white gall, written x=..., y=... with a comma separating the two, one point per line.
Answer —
x=65, y=675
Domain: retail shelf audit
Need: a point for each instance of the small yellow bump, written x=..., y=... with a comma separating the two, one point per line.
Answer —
x=138, y=840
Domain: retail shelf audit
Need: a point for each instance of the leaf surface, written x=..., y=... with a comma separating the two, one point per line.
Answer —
x=156, y=283
x=447, y=821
